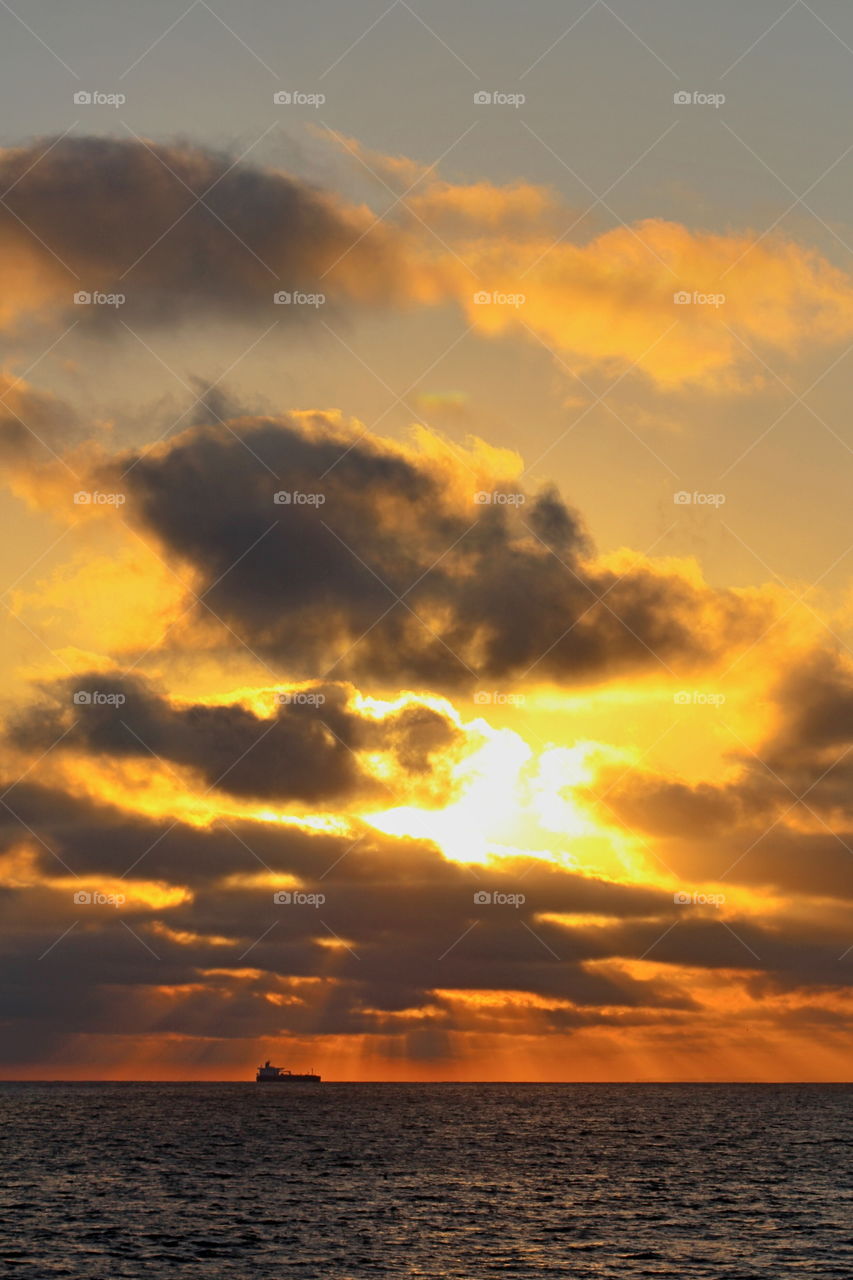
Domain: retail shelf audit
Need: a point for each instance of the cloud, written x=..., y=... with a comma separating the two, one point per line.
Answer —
x=391, y=909
x=783, y=819
x=604, y=298
x=36, y=430
x=312, y=745
x=611, y=302
x=399, y=941
x=385, y=561
x=180, y=231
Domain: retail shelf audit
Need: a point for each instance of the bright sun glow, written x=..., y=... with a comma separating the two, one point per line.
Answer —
x=512, y=802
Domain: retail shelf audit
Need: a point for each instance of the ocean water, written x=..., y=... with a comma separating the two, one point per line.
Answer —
x=337, y=1181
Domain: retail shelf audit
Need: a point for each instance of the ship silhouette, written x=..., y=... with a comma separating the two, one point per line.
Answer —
x=278, y=1075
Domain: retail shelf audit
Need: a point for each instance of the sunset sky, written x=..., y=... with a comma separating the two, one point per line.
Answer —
x=428, y=566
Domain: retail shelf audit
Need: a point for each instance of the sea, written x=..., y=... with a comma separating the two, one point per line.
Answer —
x=461, y=1181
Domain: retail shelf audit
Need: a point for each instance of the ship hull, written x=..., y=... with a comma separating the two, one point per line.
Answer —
x=293, y=1080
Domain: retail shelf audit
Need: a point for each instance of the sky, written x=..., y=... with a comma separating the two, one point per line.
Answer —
x=427, y=609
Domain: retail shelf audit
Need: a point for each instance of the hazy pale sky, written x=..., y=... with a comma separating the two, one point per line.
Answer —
x=598, y=121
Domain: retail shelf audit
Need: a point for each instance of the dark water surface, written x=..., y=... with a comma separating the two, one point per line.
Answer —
x=335, y=1181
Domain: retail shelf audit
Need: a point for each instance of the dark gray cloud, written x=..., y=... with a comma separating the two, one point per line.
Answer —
x=178, y=231
x=399, y=923
x=383, y=565
x=398, y=905
x=810, y=747
x=309, y=749
x=35, y=426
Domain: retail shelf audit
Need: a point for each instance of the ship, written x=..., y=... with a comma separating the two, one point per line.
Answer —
x=278, y=1075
